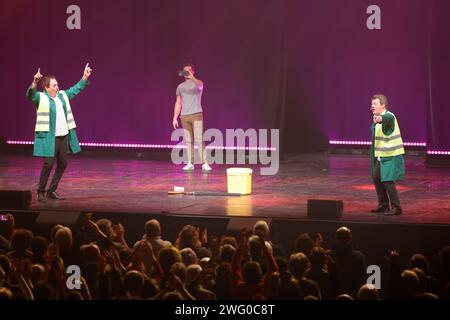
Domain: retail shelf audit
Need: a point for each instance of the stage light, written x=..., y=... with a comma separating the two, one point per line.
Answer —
x=439, y=152
x=368, y=143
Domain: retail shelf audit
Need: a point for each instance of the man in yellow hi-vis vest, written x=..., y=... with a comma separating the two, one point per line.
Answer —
x=55, y=133
x=386, y=155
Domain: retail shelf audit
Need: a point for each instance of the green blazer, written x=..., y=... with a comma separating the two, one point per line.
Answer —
x=391, y=168
x=44, y=142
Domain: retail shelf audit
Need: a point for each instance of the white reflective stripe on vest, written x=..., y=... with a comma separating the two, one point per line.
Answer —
x=388, y=146
x=43, y=112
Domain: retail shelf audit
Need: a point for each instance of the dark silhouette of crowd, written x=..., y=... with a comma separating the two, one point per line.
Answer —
x=198, y=267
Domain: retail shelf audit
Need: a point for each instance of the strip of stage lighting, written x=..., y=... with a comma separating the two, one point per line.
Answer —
x=368, y=143
x=147, y=146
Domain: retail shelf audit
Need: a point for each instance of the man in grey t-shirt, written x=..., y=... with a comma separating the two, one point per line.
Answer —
x=189, y=105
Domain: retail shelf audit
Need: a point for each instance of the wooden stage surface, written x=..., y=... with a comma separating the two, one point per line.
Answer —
x=140, y=186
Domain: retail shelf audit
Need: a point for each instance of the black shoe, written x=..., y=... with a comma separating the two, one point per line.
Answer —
x=41, y=197
x=54, y=195
x=380, y=208
x=394, y=212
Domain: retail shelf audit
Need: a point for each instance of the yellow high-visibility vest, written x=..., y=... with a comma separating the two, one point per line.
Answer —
x=388, y=146
x=43, y=112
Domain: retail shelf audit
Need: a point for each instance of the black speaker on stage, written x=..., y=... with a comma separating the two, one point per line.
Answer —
x=325, y=209
x=47, y=219
x=12, y=199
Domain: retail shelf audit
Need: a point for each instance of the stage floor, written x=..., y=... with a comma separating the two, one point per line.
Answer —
x=141, y=185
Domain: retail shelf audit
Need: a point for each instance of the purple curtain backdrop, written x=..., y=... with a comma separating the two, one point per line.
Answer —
x=439, y=77
x=306, y=67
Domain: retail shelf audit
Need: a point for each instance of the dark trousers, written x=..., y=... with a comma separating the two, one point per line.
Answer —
x=61, y=148
x=386, y=191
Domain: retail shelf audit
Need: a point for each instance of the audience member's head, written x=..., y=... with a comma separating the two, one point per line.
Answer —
x=223, y=271
x=152, y=228
x=193, y=273
x=133, y=282
x=419, y=261
x=167, y=257
x=255, y=247
x=150, y=289
x=179, y=269
x=37, y=273
x=299, y=264
x=282, y=264
x=343, y=236
x=226, y=253
x=261, y=227
x=53, y=231
x=90, y=253
x=39, y=246
x=344, y=296
x=368, y=292
x=311, y=297
x=189, y=256
x=410, y=283
x=188, y=237
x=229, y=240
x=5, y=294
x=21, y=240
x=63, y=237
x=317, y=258
x=203, y=252
x=304, y=244
x=422, y=279
x=252, y=273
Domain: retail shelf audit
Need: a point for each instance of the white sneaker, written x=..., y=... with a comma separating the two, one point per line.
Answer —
x=206, y=168
x=189, y=167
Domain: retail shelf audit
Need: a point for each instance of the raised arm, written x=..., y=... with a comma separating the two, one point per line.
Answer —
x=198, y=83
x=83, y=83
x=270, y=259
x=32, y=93
x=239, y=255
x=388, y=123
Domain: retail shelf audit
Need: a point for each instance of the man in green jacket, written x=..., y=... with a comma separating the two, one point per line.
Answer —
x=55, y=134
x=386, y=155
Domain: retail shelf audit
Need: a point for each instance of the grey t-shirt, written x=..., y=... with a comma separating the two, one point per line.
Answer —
x=191, y=97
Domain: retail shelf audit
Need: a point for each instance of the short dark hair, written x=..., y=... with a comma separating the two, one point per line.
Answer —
x=21, y=240
x=134, y=281
x=382, y=98
x=46, y=81
x=188, y=64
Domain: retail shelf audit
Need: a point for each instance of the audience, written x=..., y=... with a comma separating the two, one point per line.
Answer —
x=194, y=268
